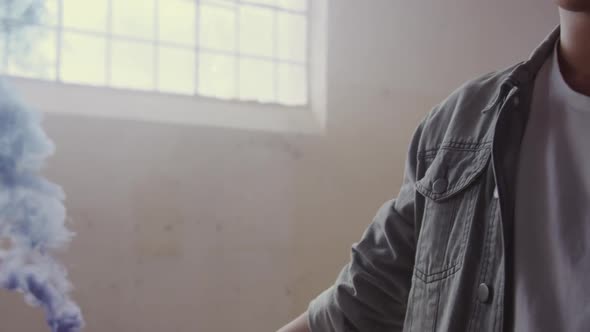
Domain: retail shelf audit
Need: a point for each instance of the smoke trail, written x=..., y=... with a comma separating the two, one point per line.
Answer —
x=31, y=211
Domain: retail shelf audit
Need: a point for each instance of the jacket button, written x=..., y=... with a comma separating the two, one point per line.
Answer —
x=516, y=101
x=483, y=293
x=440, y=186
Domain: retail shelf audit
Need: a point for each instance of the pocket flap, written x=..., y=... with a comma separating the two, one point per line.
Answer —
x=450, y=171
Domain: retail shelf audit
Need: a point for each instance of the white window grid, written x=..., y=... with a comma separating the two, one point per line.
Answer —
x=199, y=50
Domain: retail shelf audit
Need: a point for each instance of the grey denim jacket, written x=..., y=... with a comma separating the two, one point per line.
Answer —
x=438, y=257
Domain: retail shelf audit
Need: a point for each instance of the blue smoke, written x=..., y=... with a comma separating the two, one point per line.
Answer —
x=32, y=214
x=32, y=217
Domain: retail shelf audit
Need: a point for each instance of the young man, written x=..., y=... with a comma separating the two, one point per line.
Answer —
x=491, y=228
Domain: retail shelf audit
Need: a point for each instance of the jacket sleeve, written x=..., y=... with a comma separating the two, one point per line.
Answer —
x=371, y=292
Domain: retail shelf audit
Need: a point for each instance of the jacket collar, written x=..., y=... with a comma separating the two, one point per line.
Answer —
x=524, y=73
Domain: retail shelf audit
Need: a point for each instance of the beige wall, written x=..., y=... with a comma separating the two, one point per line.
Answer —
x=187, y=229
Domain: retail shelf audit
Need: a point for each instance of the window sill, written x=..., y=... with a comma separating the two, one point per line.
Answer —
x=50, y=97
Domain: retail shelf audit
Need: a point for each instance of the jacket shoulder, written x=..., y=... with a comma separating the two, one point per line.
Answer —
x=460, y=118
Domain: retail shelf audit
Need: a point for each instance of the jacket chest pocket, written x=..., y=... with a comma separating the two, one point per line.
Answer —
x=450, y=186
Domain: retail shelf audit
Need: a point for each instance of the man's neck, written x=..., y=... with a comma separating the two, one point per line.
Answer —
x=574, y=50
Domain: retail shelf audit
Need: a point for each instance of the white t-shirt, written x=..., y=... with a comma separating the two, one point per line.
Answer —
x=552, y=216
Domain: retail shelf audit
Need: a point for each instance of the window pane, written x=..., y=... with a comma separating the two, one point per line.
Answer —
x=34, y=60
x=256, y=31
x=22, y=11
x=300, y=5
x=176, y=71
x=177, y=21
x=86, y=15
x=132, y=65
x=219, y=3
x=292, y=84
x=51, y=13
x=292, y=37
x=83, y=59
x=217, y=76
x=217, y=29
x=134, y=18
x=256, y=80
x=262, y=2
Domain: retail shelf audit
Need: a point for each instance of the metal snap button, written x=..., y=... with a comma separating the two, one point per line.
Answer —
x=440, y=186
x=483, y=293
x=516, y=101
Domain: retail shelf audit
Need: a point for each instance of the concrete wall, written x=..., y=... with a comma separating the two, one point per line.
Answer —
x=184, y=228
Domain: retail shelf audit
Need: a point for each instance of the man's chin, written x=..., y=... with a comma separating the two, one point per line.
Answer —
x=578, y=6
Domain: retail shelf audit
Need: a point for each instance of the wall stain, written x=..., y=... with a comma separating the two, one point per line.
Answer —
x=159, y=229
x=274, y=143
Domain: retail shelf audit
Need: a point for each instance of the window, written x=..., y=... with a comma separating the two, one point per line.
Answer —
x=244, y=50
